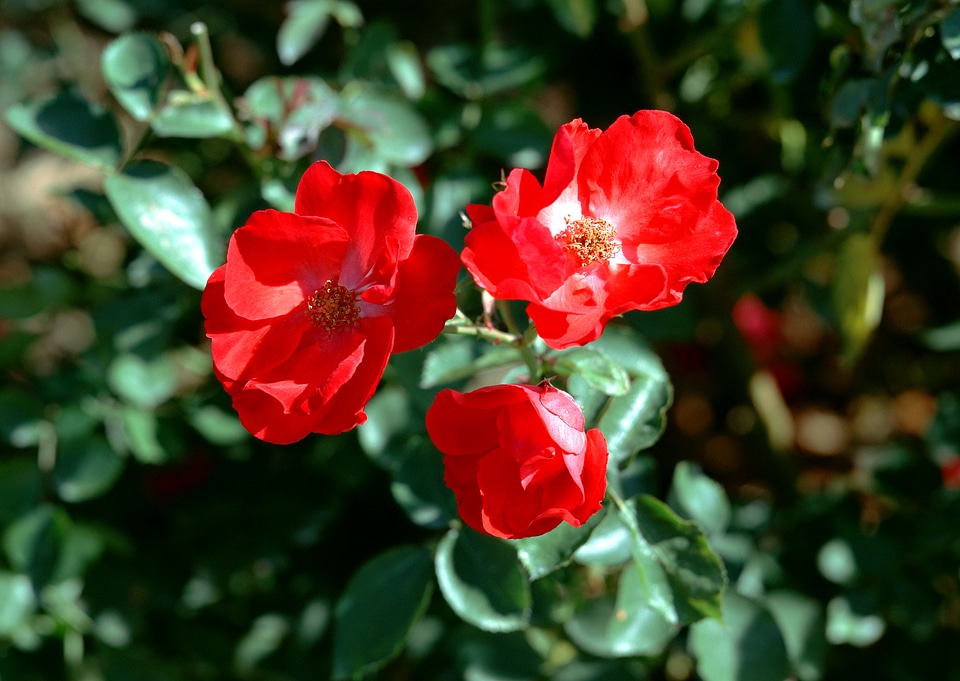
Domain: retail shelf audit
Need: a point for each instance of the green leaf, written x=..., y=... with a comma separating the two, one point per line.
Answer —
x=85, y=469
x=553, y=550
x=950, y=33
x=17, y=602
x=695, y=496
x=745, y=646
x=694, y=573
x=170, y=218
x=384, y=125
x=218, y=426
x=629, y=626
x=115, y=16
x=848, y=623
x=71, y=126
x=481, y=580
x=635, y=420
x=787, y=30
x=404, y=62
x=135, y=66
x=20, y=484
x=143, y=383
x=599, y=370
x=418, y=486
x=388, y=413
x=140, y=431
x=192, y=115
x=576, y=16
x=380, y=605
x=610, y=544
x=34, y=543
x=802, y=625
x=454, y=359
x=302, y=28
x=858, y=292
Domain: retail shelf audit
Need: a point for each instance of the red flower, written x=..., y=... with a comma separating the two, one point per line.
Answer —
x=517, y=458
x=309, y=305
x=625, y=219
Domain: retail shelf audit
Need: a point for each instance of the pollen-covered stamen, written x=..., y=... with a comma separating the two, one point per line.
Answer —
x=333, y=307
x=589, y=240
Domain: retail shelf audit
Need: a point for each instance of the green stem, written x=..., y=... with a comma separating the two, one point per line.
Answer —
x=461, y=325
x=210, y=77
x=533, y=364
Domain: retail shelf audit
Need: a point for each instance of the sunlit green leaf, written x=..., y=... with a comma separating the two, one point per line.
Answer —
x=143, y=383
x=192, y=115
x=384, y=125
x=802, y=624
x=858, y=292
x=70, y=125
x=695, y=496
x=597, y=368
x=388, y=413
x=548, y=552
x=481, y=580
x=577, y=16
x=848, y=623
x=170, y=218
x=406, y=67
x=635, y=420
x=17, y=601
x=383, y=600
x=610, y=544
x=745, y=646
x=303, y=26
x=950, y=33
x=115, y=16
x=135, y=66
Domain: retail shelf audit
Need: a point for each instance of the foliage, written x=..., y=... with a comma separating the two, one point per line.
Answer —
x=783, y=490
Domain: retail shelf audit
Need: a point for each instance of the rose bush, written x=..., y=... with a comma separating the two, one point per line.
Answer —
x=518, y=459
x=310, y=305
x=624, y=220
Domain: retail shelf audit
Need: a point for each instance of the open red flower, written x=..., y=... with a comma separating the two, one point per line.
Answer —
x=518, y=459
x=624, y=220
x=309, y=305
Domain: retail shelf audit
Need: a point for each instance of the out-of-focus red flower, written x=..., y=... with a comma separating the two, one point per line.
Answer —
x=950, y=471
x=759, y=326
x=624, y=220
x=309, y=305
x=518, y=459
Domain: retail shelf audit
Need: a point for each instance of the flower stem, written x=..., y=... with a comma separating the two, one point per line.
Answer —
x=461, y=325
x=531, y=360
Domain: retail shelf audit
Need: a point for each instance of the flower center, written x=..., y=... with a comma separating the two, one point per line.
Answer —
x=332, y=307
x=589, y=240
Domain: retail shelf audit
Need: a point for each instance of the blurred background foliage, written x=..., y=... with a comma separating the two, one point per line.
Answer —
x=814, y=432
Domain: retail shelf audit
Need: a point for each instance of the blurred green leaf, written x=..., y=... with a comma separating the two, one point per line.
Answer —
x=115, y=16
x=846, y=623
x=376, y=611
x=837, y=562
x=218, y=426
x=802, y=625
x=170, y=218
x=695, y=496
x=384, y=125
x=577, y=16
x=788, y=32
x=306, y=22
x=135, y=66
x=17, y=602
x=418, y=486
x=263, y=639
x=950, y=33
x=849, y=101
x=481, y=580
x=20, y=485
x=632, y=624
x=475, y=73
x=694, y=573
x=71, y=126
x=34, y=543
x=85, y=469
x=598, y=369
x=140, y=431
x=858, y=292
x=143, y=383
x=551, y=551
x=289, y=113
x=388, y=413
x=745, y=646
x=192, y=115
x=406, y=67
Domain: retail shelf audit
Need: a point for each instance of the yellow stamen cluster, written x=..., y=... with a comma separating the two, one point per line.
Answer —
x=589, y=240
x=333, y=307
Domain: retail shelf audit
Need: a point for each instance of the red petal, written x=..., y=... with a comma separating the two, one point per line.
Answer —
x=277, y=259
x=463, y=424
x=423, y=296
x=376, y=211
x=570, y=145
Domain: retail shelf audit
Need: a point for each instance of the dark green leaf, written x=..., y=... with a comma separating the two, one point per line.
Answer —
x=481, y=580
x=388, y=413
x=20, y=485
x=72, y=126
x=383, y=600
x=788, y=31
x=548, y=552
x=694, y=572
x=135, y=67
x=170, y=218
x=695, y=496
x=576, y=16
x=745, y=646
x=85, y=469
x=34, y=543
x=598, y=369
x=950, y=33
x=418, y=486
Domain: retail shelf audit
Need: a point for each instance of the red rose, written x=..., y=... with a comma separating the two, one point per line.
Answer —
x=309, y=305
x=517, y=458
x=625, y=219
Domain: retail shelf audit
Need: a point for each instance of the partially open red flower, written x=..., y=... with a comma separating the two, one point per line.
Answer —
x=624, y=220
x=309, y=305
x=518, y=459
